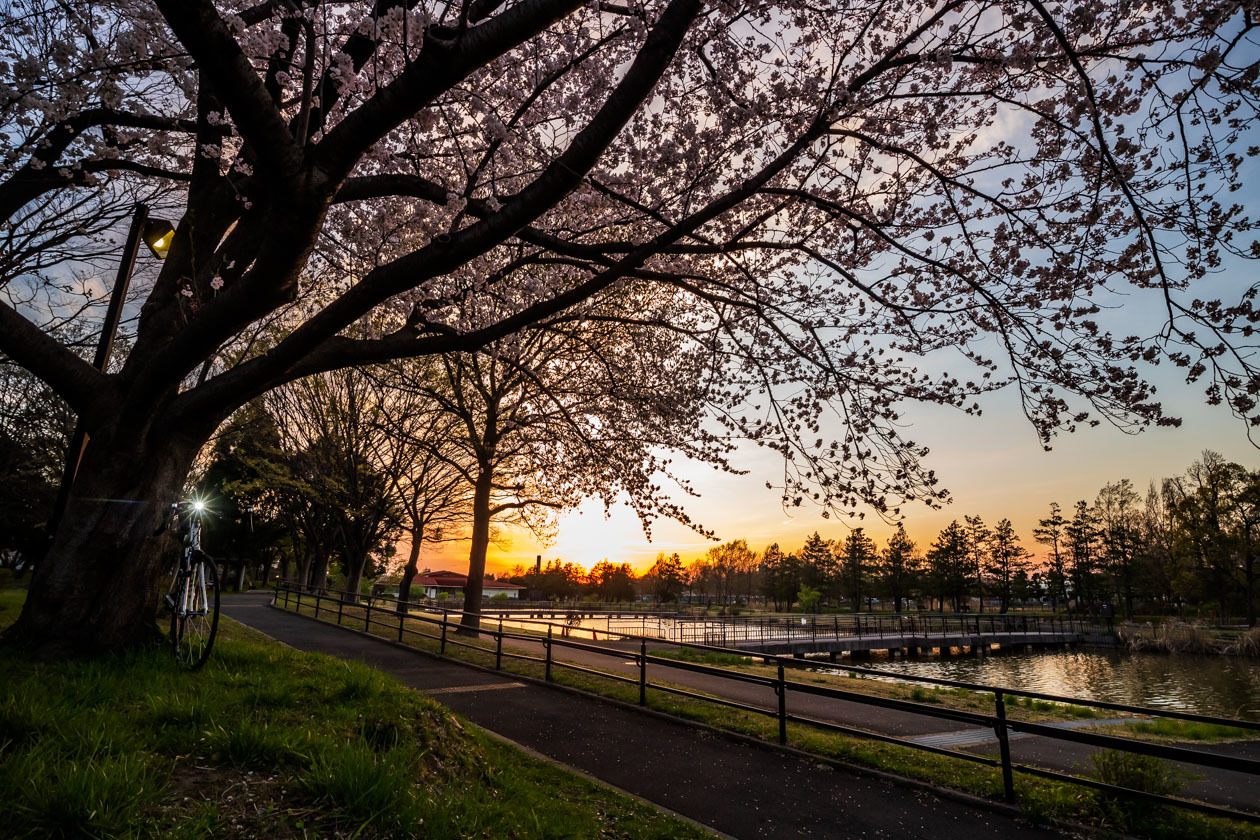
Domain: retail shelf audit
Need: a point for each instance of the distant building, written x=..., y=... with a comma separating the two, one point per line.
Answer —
x=453, y=583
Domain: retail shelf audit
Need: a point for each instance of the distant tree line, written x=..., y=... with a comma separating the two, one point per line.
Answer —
x=1189, y=545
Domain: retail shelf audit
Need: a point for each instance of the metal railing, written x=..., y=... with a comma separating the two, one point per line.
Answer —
x=909, y=627
x=389, y=621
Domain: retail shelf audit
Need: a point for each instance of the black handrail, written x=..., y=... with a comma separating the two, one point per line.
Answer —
x=999, y=722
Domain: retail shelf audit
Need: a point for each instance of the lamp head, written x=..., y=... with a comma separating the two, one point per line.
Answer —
x=158, y=235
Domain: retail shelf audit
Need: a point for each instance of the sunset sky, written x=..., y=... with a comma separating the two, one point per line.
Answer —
x=993, y=464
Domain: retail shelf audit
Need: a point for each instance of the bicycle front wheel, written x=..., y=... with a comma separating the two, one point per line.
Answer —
x=195, y=613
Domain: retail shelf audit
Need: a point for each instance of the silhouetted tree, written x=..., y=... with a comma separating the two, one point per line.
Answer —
x=899, y=567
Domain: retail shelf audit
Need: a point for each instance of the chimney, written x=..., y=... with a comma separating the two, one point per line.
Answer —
x=538, y=564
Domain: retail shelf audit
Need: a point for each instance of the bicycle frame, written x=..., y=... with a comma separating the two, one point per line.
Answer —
x=193, y=599
x=188, y=594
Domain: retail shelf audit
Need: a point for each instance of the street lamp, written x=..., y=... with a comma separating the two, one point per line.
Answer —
x=157, y=235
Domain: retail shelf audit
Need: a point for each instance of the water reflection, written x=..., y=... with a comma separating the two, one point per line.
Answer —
x=1226, y=686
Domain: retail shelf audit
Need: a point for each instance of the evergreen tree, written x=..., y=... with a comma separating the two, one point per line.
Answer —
x=1082, y=541
x=899, y=567
x=819, y=569
x=1117, y=506
x=782, y=576
x=1051, y=532
x=978, y=538
x=857, y=557
x=668, y=579
x=1007, y=563
x=949, y=565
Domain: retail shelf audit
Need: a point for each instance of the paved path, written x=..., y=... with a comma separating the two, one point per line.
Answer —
x=742, y=790
x=1220, y=787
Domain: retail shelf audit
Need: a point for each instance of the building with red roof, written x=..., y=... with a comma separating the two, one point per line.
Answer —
x=453, y=583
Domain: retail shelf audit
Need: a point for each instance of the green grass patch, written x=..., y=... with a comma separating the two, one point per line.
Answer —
x=270, y=742
x=11, y=601
x=1167, y=729
x=1051, y=710
x=702, y=657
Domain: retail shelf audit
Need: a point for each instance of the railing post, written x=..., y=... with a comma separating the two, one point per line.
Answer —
x=317, y=599
x=443, y=648
x=1004, y=745
x=367, y=617
x=299, y=600
x=643, y=672
x=400, y=626
x=498, y=648
x=781, y=690
x=341, y=605
x=286, y=596
x=548, y=669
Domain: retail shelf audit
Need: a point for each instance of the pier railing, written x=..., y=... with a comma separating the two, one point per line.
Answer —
x=796, y=628
x=389, y=618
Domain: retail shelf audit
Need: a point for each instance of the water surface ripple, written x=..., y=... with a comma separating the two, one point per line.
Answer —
x=1225, y=686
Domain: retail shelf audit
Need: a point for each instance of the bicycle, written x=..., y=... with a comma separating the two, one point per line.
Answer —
x=193, y=599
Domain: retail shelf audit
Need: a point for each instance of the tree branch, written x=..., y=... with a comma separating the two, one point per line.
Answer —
x=199, y=28
x=73, y=378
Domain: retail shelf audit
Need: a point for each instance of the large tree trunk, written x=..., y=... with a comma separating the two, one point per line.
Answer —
x=319, y=573
x=99, y=587
x=477, y=553
x=409, y=571
x=980, y=587
x=354, y=577
x=304, y=566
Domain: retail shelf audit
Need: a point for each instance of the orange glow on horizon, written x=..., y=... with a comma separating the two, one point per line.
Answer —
x=993, y=465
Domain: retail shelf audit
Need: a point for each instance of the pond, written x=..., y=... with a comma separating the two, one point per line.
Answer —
x=1224, y=686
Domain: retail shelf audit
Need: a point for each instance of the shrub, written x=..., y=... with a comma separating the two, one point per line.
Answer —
x=808, y=598
x=1171, y=636
x=1144, y=773
x=1248, y=644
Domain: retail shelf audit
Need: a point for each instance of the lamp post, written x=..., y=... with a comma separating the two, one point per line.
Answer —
x=157, y=235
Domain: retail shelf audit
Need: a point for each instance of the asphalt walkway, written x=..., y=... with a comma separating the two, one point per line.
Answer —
x=1219, y=787
x=739, y=789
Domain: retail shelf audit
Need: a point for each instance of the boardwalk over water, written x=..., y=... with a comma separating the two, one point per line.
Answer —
x=797, y=635
x=860, y=634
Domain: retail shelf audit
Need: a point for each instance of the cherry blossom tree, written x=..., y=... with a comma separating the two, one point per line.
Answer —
x=419, y=451
x=854, y=205
x=544, y=419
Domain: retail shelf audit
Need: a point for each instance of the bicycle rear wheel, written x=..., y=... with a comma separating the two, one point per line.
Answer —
x=195, y=614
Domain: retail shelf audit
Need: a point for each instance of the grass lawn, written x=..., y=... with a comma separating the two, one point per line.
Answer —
x=270, y=742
